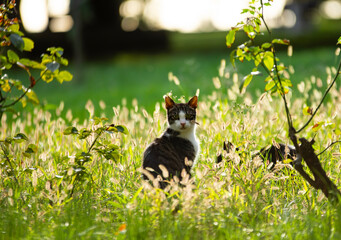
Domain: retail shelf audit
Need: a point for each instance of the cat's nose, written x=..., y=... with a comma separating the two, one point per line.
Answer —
x=183, y=124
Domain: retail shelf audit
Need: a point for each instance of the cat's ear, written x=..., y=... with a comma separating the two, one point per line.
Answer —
x=193, y=102
x=169, y=102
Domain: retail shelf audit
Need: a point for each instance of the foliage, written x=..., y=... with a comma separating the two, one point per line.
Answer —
x=12, y=43
x=265, y=55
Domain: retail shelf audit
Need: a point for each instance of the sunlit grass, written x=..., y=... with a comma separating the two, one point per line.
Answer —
x=238, y=198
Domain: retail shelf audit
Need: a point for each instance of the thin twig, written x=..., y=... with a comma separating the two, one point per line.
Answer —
x=328, y=147
x=276, y=69
x=324, y=96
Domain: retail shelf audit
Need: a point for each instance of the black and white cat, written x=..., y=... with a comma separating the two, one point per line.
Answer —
x=178, y=147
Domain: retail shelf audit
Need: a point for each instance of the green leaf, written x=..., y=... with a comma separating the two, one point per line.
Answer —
x=122, y=129
x=30, y=63
x=266, y=45
x=32, y=148
x=281, y=41
x=317, y=126
x=230, y=37
x=84, y=133
x=47, y=76
x=246, y=81
x=83, y=157
x=269, y=85
x=232, y=57
x=64, y=76
x=70, y=130
x=32, y=96
x=28, y=44
x=12, y=56
x=17, y=41
x=268, y=60
x=339, y=41
x=58, y=51
x=52, y=66
x=20, y=137
x=307, y=111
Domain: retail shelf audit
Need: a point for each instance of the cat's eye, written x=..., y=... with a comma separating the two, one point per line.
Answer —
x=190, y=116
x=174, y=117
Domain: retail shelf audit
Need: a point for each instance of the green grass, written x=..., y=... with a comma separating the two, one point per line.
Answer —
x=145, y=78
x=236, y=199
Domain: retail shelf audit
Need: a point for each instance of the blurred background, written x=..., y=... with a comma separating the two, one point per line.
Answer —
x=105, y=27
x=126, y=48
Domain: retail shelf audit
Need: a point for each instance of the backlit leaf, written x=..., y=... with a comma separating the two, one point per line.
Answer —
x=269, y=85
x=12, y=56
x=246, y=81
x=28, y=44
x=32, y=96
x=281, y=41
x=20, y=137
x=339, y=41
x=64, y=76
x=317, y=126
x=307, y=111
x=122, y=129
x=70, y=130
x=32, y=148
x=268, y=60
x=230, y=37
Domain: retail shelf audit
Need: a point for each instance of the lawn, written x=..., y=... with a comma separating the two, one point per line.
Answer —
x=48, y=194
x=145, y=78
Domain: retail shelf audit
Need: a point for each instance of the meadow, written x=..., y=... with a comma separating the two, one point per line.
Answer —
x=46, y=196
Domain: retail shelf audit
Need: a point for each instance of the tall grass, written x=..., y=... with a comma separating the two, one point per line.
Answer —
x=238, y=198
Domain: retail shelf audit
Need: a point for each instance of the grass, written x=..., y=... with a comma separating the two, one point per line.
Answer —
x=145, y=78
x=236, y=199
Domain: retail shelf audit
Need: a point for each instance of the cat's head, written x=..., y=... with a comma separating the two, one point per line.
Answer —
x=181, y=116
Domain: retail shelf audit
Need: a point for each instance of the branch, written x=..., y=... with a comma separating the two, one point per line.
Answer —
x=328, y=147
x=23, y=95
x=324, y=96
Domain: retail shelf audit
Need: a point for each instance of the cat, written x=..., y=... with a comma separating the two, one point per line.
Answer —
x=178, y=147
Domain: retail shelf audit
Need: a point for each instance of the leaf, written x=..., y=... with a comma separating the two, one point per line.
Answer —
x=32, y=96
x=266, y=45
x=269, y=85
x=52, y=66
x=307, y=111
x=268, y=60
x=32, y=148
x=122, y=129
x=5, y=86
x=17, y=41
x=30, y=63
x=83, y=157
x=246, y=81
x=317, y=126
x=230, y=37
x=84, y=133
x=64, y=76
x=28, y=44
x=47, y=76
x=281, y=41
x=12, y=56
x=339, y=41
x=20, y=137
x=70, y=130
